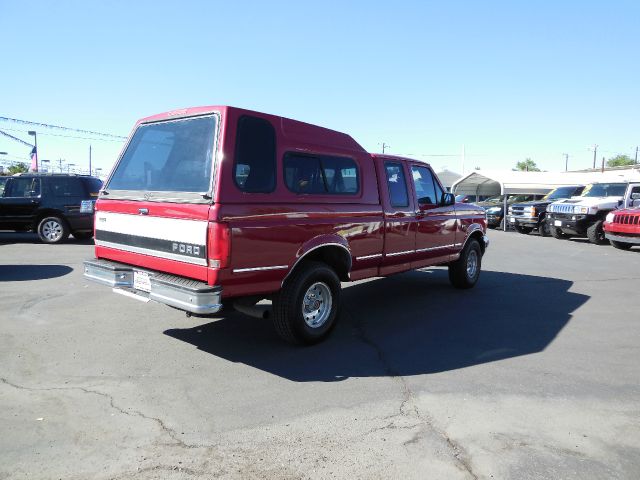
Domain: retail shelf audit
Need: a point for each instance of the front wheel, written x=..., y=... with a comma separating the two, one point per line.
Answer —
x=595, y=233
x=557, y=233
x=305, y=310
x=464, y=272
x=52, y=230
x=621, y=245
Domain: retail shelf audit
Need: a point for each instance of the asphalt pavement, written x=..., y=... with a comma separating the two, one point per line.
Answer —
x=534, y=374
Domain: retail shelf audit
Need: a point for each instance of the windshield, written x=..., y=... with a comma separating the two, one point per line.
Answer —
x=173, y=156
x=604, y=190
x=560, y=192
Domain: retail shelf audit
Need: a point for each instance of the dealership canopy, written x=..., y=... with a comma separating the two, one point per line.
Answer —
x=505, y=182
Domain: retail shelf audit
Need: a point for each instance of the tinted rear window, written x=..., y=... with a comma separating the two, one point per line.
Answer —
x=255, y=167
x=173, y=156
x=67, y=187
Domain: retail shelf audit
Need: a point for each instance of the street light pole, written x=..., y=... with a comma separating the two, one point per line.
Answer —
x=595, y=151
x=566, y=162
x=35, y=140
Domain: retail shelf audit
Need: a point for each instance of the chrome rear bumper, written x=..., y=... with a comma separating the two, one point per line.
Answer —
x=178, y=292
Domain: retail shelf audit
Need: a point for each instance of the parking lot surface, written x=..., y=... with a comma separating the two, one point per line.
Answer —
x=533, y=374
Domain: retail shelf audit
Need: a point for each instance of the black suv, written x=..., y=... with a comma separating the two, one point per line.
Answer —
x=51, y=205
x=529, y=216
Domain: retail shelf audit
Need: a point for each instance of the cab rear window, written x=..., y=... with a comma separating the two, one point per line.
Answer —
x=172, y=156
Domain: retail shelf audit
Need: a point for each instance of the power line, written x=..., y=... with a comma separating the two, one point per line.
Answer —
x=68, y=136
x=46, y=125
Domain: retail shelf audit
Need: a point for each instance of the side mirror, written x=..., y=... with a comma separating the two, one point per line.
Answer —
x=448, y=199
x=635, y=196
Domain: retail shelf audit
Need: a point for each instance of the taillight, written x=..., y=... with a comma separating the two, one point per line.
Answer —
x=219, y=245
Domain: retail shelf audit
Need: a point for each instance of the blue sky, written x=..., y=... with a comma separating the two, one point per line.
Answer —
x=508, y=80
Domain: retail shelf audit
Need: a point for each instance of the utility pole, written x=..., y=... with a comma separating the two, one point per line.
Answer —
x=566, y=162
x=464, y=155
x=595, y=151
x=635, y=161
x=89, y=159
x=384, y=147
x=602, y=165
x=60, y=163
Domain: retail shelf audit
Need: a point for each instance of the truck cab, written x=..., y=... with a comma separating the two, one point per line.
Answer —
x=215, y=206
x=585, y=215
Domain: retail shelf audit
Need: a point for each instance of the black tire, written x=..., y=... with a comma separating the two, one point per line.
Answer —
x=52, y=230
x=595, y=233
x=82, y=235
x=557, y=233
x=621, y=245
x=543, y=228
x=523, y=230
x=460, y=274
x=289, y=304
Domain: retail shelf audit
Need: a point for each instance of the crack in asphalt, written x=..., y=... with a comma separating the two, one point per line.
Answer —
x=132, y=413
x=408, y=407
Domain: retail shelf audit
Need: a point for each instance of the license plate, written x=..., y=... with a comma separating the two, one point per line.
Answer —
x=142, y=281
x=512, y=220
x=86, y=206
x=558, y=223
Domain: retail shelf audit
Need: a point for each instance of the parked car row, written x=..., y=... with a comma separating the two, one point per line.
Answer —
x=52, y=205
x=601, y=212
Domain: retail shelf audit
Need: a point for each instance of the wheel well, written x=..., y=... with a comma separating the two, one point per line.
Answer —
x=477, y=235
x=338, y=258
x=47, y=213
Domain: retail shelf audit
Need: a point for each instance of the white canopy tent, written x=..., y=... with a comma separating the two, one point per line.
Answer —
x=506, y=182
x=486, y=183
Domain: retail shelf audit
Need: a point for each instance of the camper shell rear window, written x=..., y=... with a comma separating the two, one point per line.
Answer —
x=171, y=156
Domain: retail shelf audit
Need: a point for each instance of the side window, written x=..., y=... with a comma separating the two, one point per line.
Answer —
x=23, y=188
x=578, y=191
x=425, y=189
x=320, y=174
x=255, y=162
x=67, y=187
x=303, y=174
x=397, y=184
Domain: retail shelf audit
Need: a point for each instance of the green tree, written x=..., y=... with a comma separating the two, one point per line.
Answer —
x=527, y=165
x=18, y=168
x=620, y=161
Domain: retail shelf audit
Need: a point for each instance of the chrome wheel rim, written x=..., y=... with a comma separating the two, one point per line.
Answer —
x=472, y=264
x=316, y=305
x=51, y=230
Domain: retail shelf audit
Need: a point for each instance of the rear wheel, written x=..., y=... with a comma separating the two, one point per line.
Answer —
x=305, y=310
x=595, y=233
x=621, y=245
x=464, y=272
x=52, y=230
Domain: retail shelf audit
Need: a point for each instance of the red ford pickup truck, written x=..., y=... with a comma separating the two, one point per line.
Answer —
x=214, y=205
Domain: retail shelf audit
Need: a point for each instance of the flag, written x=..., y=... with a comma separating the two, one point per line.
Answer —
x=34, y=160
